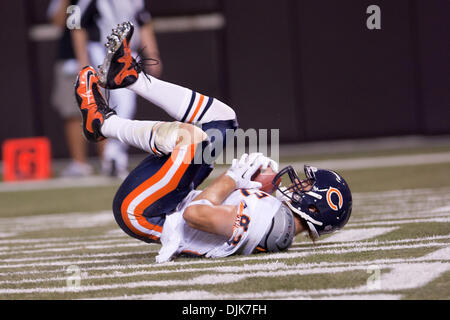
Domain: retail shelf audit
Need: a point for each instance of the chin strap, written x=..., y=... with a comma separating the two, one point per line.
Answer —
x=312, y=231
x=310, y=222
x=302, y=214
x=280, y=196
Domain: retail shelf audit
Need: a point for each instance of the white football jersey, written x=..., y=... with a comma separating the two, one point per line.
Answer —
x=99, y=17
x=256, y=210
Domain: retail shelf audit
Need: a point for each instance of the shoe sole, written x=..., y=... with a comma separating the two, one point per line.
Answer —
x=115, y=41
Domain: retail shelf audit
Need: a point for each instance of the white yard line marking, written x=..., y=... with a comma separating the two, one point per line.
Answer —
x=64, y=239
x=353, y=250
x=403, y=276
x=399, y=216
x=441, y=254
x=315, y=249
x=7, y=234
x=380, y=162
x=302, y=247
x=65, y=263
x=276, y=256
x=351, y=242
x=410, y=276
x=114, y=275
x=71, y=256
x=118, y=236
x=357, y=234
x=58, y=183
x=444, y=209
x=436, y=256
x=57, y=221
x=41, y=247
x=397, y=222
x=401, y=194
x=206, y=295
x=379, y=296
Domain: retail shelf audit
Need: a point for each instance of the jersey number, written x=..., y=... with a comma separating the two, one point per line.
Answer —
x=258, y=194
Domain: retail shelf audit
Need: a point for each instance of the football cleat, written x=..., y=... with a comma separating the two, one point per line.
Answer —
x=92, y=104
x=119, y=69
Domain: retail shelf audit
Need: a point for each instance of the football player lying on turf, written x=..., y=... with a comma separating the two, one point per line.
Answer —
x=158, y=201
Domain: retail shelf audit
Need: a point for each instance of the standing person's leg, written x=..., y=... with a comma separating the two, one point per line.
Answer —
x=77, y=149
x=62, y=100
x=115, y=154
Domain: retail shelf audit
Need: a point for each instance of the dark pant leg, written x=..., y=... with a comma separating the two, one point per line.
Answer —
x=221, y=126
x=153, y=190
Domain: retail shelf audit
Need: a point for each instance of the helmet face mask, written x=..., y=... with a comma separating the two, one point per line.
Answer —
x=297, y=185
x=323, y=200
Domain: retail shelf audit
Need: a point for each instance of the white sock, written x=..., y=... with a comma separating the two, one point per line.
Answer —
x=181, y=103
x=135, y=133
x=170, y=97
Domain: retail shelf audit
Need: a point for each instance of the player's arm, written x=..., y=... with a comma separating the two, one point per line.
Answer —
x=150, y=45
x=213, y=217
x=218, y=190
x=148, y=41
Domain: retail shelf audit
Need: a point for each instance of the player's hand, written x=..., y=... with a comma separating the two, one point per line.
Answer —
x=242, y=170
x=264, y=162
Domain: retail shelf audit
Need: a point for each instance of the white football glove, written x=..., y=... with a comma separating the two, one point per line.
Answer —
x=264, y=162
x=242, y=170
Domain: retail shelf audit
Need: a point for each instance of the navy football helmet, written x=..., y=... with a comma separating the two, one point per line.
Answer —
x=323, y=199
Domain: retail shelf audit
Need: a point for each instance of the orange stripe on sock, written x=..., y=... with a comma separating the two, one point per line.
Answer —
x=197, y=108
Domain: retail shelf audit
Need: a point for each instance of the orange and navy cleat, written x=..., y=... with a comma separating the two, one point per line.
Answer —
x=119, y=69
x=92, y=104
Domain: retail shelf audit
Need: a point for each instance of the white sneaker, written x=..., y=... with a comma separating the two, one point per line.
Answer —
x=77, y=169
